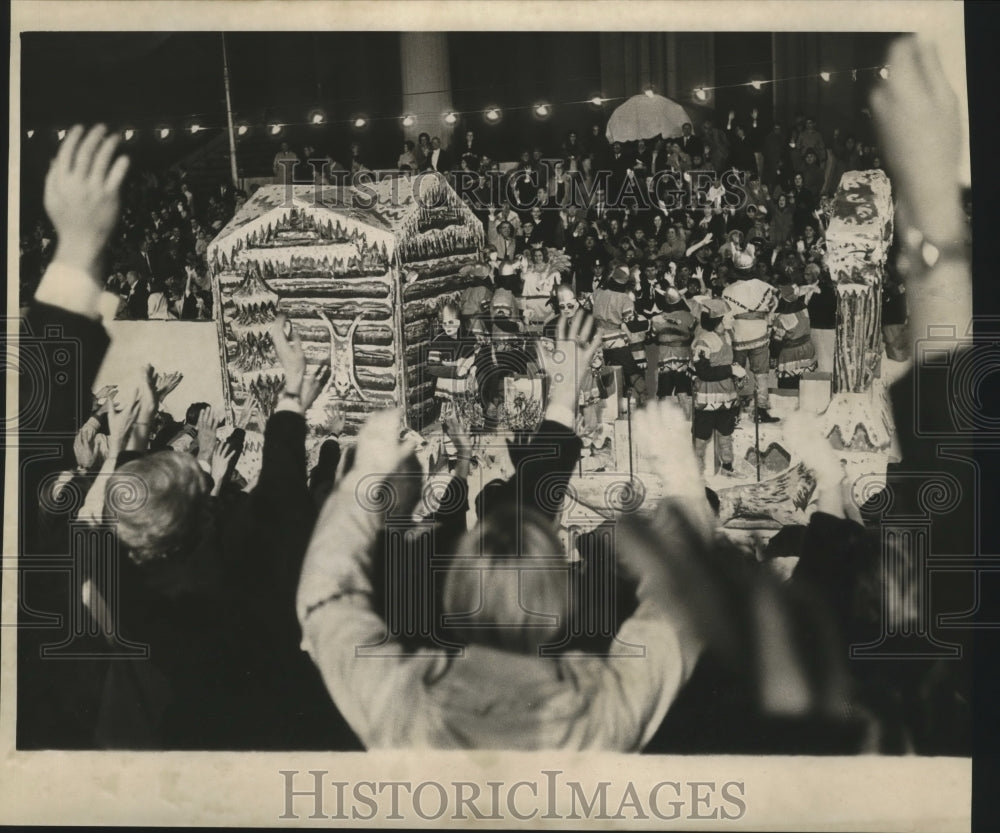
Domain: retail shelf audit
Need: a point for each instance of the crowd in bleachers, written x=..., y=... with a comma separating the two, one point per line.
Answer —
x=434, y=632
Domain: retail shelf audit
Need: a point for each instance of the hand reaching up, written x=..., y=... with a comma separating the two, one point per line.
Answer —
x=205, y=428
x=337, y=421
x=807, y=443
x=165, y=383
x=568, y=366
x=222, y=457
x=459, y=435
x=669, y=450
x=122, y=417
x=290, y=354
x=381, y=447
x=104, y=398
x=82, y=195
x=313, y=385
x=917, y=92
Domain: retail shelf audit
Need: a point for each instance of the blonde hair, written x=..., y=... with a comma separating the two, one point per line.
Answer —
x=156, y=500
x=512, y=574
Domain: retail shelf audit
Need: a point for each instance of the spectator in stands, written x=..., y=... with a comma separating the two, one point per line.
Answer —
x=284, y=164
x=438, y=159
x=716, y=145
x=469, y=149
x=407, y=159
x=539, y=283
x=781, y=216
x=813, y=174
x=809, y=138
x=741, y=151
x=690, y=143
x=136, y=297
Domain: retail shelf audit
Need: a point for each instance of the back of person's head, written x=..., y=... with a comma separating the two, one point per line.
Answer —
x=511, y=573
x=493, y=493
x=194, y=411
x=157, y=502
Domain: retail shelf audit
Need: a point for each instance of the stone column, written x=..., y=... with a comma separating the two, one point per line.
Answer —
x=426, y=83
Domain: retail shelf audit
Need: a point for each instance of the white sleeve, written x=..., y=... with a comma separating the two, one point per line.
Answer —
x=70, y=288
x=339, y=622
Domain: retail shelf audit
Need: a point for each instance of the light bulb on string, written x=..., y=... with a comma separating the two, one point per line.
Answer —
x=649, y=92
x=883, y=73
x=195, y=128
x=825, y=76
x=30, y=133
x=450, y=118
x=597, y=101
x=242, y=129
x=756, y=84
x=61, y=133
x=163, y=133
x=128, y=134
x=701, y=94
x=409, y=120
x=493, y=114
x=276, y=129
x=360, y=122
x=317, y=117
x=542, y=110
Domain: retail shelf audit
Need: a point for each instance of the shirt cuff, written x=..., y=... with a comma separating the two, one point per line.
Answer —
x=71, y=289
x=562, y=415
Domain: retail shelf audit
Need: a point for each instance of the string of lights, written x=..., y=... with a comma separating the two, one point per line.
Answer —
x=492, y=115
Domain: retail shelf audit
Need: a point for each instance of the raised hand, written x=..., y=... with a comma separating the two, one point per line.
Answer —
x=165, y=383
x=663, y=422
x=568, y=366
x=222, y=456
x=917, y=92
x=336, y=422
x=148, y=399
x=457, y=431
x=290, y=354
x=82, y=195
x=806, y=442
x=103, y=399
x=122, y=417
x=313, y=385
x=205, y=428
x=381, y=448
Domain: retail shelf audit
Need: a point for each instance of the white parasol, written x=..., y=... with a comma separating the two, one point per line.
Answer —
x=645, y=116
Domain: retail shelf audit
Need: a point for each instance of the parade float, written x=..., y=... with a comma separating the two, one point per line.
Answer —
x=361, y=274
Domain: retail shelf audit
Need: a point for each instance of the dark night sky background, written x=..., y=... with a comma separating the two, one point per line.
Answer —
x=149, y=79
x=143, y=79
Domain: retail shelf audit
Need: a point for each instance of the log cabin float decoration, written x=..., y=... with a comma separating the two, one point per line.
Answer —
x=361, y=274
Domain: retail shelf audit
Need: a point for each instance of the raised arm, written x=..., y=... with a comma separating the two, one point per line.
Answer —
x=668, y=561
x=335, y=605
x=283, y=507
x=929, y=213
x=553, y=453
x=82, y=200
